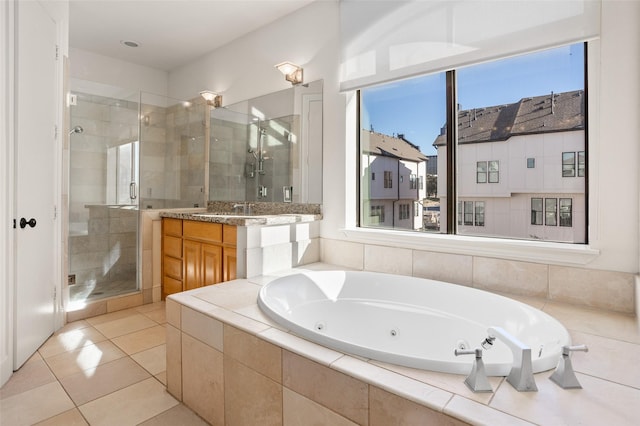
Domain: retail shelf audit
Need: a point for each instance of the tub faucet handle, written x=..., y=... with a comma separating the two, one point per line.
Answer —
x=477, y=380
x=564, y=376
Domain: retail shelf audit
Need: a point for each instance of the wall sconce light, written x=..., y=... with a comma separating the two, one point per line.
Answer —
x=213, y=99
x=292, y=72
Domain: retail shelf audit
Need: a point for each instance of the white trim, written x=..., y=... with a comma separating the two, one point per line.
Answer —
x=521, y=250
x=7, y=253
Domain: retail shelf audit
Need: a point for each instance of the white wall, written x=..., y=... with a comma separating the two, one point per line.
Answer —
x=89, y=66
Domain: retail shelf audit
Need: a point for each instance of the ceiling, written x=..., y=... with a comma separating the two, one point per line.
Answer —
x=170, y=33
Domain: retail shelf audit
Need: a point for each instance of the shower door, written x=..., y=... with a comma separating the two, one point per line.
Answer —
x=103, y=195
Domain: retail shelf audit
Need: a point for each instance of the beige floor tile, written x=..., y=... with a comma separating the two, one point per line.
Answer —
x=141, y=340
x=34, y=373
x=153, y=360
x=157, y=306
x=126, y=325
x=34, y=405
x=159, y=316
x=135, y=404
x=599, y=402
x=162, y=377
x=75, y=325
x=100, y=319
x=85, y=358
x=68, y=418
x=97, y=382
x=178, y=415
x=69, y=340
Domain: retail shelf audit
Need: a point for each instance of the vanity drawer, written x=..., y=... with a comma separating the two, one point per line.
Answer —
x=172, y=246
x=203, y=231
x=172, y=268
x=172, y=226
x=229, y=234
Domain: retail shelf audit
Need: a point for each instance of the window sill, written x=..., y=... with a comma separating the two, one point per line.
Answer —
x=521, y=250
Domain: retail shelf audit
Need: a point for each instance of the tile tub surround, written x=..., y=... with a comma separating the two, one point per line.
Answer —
x=229, y=362
x=608, y=290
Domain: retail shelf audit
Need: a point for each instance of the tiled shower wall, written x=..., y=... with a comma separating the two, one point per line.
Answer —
x=609, y=290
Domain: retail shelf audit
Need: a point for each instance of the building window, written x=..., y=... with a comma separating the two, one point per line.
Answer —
x=413, y=182
x=479, y=213
x=388, y=181
x=373, y=175
x=416, y=209
x=568, y=164
x=481, y=172
x=492, y=115
x=536, y=211
x=494, y=171
x=404, y=211
x=377, y=212
x=581, y=164
x=551, y=211
x=566, y=207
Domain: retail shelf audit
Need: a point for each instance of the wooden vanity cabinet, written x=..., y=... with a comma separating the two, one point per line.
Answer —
x=205, y=254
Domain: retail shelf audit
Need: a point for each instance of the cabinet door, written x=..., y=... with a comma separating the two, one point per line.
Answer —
x=230, y=264
x=211, y=264
x=192, y=259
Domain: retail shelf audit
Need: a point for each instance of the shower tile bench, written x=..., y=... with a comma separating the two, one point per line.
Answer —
x=232, y=365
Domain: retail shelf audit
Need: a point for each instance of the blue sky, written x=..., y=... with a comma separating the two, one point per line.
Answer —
x=416, y=107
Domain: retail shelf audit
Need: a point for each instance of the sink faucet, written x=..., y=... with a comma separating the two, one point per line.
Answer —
x=237, y=206
x=521, y=375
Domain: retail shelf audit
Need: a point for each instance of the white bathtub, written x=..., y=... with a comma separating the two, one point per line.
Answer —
x=409, y=321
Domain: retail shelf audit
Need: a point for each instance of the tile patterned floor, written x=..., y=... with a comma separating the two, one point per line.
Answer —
x=105, y=370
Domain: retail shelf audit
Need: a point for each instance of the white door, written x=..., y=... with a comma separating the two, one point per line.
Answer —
x=34, y=179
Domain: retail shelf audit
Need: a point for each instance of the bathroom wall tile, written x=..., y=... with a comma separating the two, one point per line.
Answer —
x=147, y=269
x=610, y=290
x=343, y=253
x=298, y=410
x=408, y=388
x=529, y=279
x=97, y=382
x=619, y=408
x=305, y=252
x=147, y=296
x=592, y=321
x=91, y=310
x=250, y=398
x=476, y=413
x=277, y=257
x=608, y=359
x=310, y=350
x=231, y=295
x=319, y=383
x=135, y=404
x=255, y=353
x=124, y=302
x=387, y=408
x=203, y=328
x=391, y=260
x=174, y=361
x=203, y=380
x=35, y=405
x=173, y=313
x=451, y=268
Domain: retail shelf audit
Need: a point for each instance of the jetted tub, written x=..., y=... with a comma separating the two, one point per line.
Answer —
x=409, y=321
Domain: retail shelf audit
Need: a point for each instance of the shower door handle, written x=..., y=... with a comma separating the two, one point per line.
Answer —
x=24, y=222
x=133, y=191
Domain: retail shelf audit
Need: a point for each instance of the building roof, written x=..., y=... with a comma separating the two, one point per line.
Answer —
x=527, y=116
x=390, y=146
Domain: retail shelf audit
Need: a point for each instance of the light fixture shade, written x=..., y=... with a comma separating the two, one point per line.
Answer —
x=213, y=99
x=292, y=72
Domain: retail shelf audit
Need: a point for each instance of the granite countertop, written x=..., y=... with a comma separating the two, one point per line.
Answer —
x=241, y=220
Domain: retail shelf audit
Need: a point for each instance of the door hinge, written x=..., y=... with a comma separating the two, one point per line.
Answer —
x=55, y=212
x=55, y=293
x=55, y=132
x=57, y=52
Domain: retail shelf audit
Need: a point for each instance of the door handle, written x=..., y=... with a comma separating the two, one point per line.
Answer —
x=24, y=222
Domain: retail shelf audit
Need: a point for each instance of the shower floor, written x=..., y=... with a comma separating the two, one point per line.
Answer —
x=89, y=290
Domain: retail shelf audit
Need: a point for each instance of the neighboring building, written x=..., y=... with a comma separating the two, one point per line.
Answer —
x=395, y=187
x=521, y=169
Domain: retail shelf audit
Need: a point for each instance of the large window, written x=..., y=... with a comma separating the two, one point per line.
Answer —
x=508, y=132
